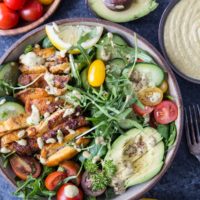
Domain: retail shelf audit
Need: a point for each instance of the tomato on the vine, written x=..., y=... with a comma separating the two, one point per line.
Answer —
x=15, y=4
x=32, y=11
x=8, y=17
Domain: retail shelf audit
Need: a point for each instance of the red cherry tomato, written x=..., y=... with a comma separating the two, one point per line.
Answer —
x=72, y=169
x=24, y=166
x=139, y=60
x=8, y=17
x=32, y=11
x=53, y=179
x=69, y=192
x=15, y=4
x=166, y=112
x=138, y=110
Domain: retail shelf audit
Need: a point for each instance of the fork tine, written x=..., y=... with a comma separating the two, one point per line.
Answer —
x=193, y=137
x=187, y=128
x=198, y=114
x=196, y=117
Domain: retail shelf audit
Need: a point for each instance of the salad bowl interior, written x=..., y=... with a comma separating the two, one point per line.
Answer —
x=36, y=35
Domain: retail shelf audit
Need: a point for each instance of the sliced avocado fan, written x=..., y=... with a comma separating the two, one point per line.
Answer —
x=138, y=156
x=136, y=10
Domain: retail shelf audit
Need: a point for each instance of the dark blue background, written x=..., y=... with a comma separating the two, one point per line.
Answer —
x=182, y=181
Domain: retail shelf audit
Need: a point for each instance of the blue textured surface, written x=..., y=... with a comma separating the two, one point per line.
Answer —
x=182, y=181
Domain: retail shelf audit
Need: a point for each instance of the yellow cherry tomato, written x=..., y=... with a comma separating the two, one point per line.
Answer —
x=164, y=86
x=97, y=73
x=150, y=96
x=46, y=2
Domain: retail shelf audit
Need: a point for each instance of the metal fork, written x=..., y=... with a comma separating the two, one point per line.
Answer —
x=192, y=125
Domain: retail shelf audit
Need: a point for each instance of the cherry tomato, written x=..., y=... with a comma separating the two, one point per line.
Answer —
x=96, y=73
x=8, y=17
x=32, y=11
x=53, y=179
x=24, y=166
x=46, y=2
x=166, y=112
x=139, y=60
x=150, y=96
x=69, y=192
x=72, y=169
x=15, y=4
x=164, y=86
x=138, y=110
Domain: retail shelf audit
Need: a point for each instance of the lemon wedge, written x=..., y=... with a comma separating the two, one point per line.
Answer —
x=66, y=37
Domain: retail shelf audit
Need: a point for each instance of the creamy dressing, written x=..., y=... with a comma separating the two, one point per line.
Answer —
x=5, y=150
x=21, y=133
x=49, y=78
x=155, y=97
x=22, y=142
x=34, y=119
x=60, y=136
x=51, y=141
x=31, y=59
x=68, y=112
x=182, y=37
x=40, y=142
x=71, y=191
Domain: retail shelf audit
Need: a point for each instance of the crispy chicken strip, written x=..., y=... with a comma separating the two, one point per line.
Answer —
x=33, y=70
x=45, y=53
x=72, y=123
x=31, y=93
x=56, y=153
x=12, y=137
x=13, y=123
x=59, y=81
x=44, y=105
x=45, y=125
x=60, y=68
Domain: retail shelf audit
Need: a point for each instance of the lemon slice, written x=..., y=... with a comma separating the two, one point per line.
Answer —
x=66, y=37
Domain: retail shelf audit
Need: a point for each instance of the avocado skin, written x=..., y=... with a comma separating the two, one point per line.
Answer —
x=145, y=166
x=133, y=12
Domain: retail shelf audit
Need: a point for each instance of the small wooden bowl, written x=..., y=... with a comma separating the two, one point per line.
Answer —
x=26, y=26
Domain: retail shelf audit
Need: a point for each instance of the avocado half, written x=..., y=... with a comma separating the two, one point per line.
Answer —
x=144, y=166
x=136, y=10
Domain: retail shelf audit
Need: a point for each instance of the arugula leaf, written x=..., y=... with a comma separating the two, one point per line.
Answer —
x=34, y=188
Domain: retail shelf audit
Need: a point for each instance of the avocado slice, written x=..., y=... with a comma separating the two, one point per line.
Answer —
x=138, y=155
x=137, y=9
x=147, y=166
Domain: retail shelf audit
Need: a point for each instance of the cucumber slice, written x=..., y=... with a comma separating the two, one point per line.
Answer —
x=153, y=72
x=10, y=109
x=9, y=73
x=117, y=65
